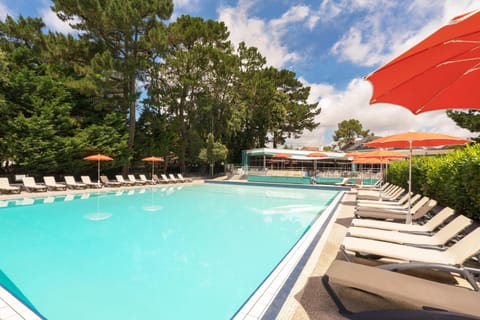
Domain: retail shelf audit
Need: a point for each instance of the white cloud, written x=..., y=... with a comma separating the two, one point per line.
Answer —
x=381, y=119
x=53, y=22
x=4, y=11
x=266, y=35
x=383, y=35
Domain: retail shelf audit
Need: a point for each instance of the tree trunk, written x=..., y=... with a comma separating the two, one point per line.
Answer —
x=132, y=110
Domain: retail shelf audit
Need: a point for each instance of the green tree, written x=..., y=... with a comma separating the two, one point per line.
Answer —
x=50, y=122
x=213, y=152
x=126, y=30
x=191, y=84
x=469, y=120
x=348, y=131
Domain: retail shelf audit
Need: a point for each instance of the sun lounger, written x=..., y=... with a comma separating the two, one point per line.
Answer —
x=31, y=186
x=144, y=178
x=72, y=184
x=376, y=185
x=403, y=198
x=180, y=176
x=5, y=186
x=172, y=178
x=402, y=204
x=393, y=193
x=440, y=301
x=122, y=181
x=158, y=180
x=86, y=180
x=433, y=223
x=343, y=182
x=450, y=260
x=438, y=239
x=52, y=185
x=107, y=183
x=132, y=178
x=165, y=179
x=419, y=210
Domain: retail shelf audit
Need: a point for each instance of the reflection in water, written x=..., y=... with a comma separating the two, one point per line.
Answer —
x=25, y=202
x=300, y=213
x=152, y=207
x=97, y=216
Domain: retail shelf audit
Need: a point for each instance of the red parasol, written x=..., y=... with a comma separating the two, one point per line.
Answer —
x=440, y=72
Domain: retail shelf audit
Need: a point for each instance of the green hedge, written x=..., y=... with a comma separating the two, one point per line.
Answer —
x=452, y=179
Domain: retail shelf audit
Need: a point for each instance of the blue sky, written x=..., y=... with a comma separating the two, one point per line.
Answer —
x=330, y=44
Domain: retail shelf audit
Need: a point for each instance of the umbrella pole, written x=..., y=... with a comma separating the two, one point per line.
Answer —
x=408, y=220
x=98, y=172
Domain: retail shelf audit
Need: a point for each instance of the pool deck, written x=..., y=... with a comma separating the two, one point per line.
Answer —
x=307, y=298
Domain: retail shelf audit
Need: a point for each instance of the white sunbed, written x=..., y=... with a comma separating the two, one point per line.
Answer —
x=438, y=239
x=124, y=182
x=172, y=178
x=86, y=180
x=433, y=223
x=132, y=178
x=5, y=186
x=419, y=210
x=180, y=176
x=72, y=184
x=165, y=179
x=144, y=178
x=30, y=185
x=390, y=205
x=52, y=185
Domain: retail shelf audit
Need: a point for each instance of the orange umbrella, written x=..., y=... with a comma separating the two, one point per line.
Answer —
x=440, y=72
x=415, y=139
x=360, y=160
x=317, y=155
x=281, y=156
x=98, y=158
x=383, y=154
x=153, y=159
x=353, y=154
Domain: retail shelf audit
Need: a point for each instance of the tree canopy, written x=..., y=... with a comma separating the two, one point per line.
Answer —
x=348, y=131
x=129, y=85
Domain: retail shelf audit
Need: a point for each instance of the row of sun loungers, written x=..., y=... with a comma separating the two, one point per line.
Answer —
x=50, y=184
x=391, y=254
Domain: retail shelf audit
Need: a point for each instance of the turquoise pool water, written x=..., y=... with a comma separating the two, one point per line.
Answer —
x=191, y=252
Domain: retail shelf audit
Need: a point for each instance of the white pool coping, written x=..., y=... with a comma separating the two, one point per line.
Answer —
x=261, y=300
x=12, y=309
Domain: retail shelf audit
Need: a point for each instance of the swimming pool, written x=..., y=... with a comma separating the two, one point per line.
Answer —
x=196, y=251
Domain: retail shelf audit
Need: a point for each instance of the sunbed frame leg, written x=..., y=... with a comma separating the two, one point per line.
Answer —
x=341, y=307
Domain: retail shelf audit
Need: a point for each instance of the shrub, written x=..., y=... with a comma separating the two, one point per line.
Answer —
x=452, y=179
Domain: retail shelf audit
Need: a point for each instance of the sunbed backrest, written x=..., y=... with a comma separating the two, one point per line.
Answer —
x=453, y=228
x=439, y=218
x=86, y=179
x=466, y=247
x=49, y=180
x=4, y=182
x=69, y=180
x=422, y=210
x=29, y=181
x=119, y=178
